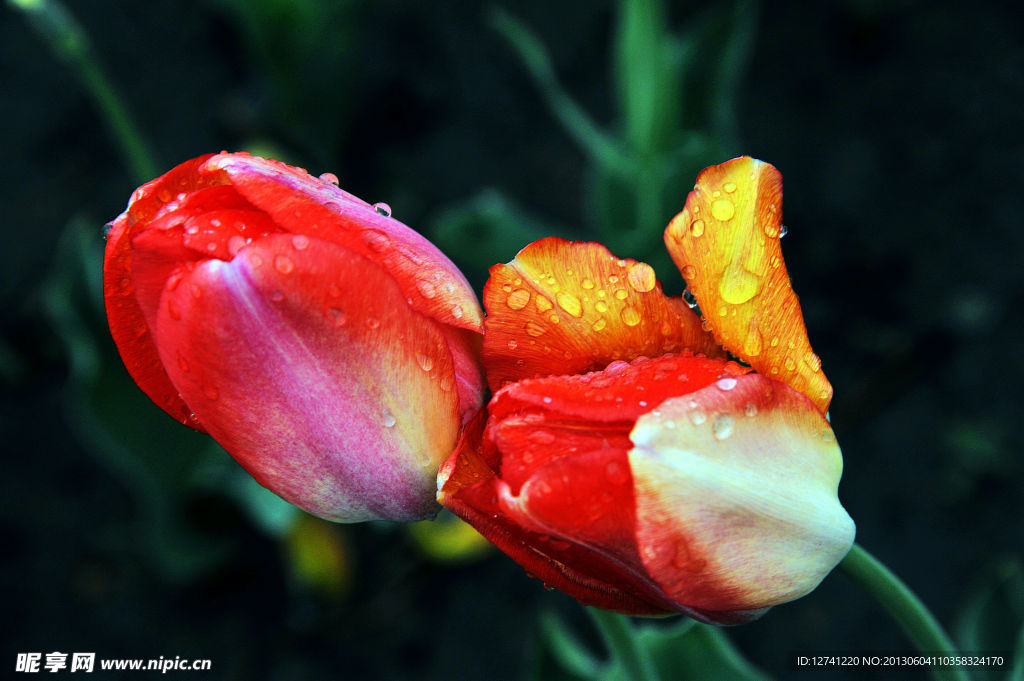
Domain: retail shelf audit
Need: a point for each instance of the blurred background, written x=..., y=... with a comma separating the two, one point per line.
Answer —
x=898, y=129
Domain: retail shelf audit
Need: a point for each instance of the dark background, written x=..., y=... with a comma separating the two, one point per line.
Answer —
x=897, y=127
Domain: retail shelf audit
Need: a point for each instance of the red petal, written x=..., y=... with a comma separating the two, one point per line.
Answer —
x=125, y=316
x=565, y=307
x=310, y=368
x=302, y=204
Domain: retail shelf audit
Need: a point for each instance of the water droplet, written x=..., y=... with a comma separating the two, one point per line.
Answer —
x=689, y=272
x=535, y=329
x=183, y=364
x=163, y=195
x=372, y=322
x=753, y=342
x=235, y=244
x=600, y=324
x=723, y=210
x=426, y=288
x=541, y=437
x=512, y=345
x=382, y=209
x=641, y=277
x=738, y=285
x=377, y=241
x=425, y=361
x=630, y=317
x=789, y=363
x=338, y=317
x=696, y=417
x=697, y=227
x=726, y=384
x=722, y=427
x=172, y=310
x=543, y=304
x=616, y=473
x=457, y=311
x=300, y=242
x=330, y=178
x=518, y=299
x=601, y=306
x=387, y=419
x=613, y=279
x=729, y=187
x=283, y=264
x=750, y=409
x=569, y=303
x=621, y=294
x=276, y=296
x=587, y=284
x=770, y=230
x=193, y=228
x=783, y=231
x=828, y=436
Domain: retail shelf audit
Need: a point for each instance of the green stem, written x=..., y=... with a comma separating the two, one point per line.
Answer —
x=907, y=609
x=621, y=640
x=69, y=41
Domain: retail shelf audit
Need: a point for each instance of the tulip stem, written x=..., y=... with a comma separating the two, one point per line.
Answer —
x=622, y=642
x=917, y=622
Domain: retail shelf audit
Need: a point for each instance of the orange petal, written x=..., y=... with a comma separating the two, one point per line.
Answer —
x=726, y=243
x=568, y=307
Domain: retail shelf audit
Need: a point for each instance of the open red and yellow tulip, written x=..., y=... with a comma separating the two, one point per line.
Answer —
x=333, y=351
x=627, y=460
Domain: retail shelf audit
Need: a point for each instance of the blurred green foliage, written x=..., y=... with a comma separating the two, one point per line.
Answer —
x=488, y=125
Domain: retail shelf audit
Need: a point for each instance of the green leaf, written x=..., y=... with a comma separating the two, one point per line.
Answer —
x=647, y=76
x=691, y=650
x=602, y=148
x=567, y=650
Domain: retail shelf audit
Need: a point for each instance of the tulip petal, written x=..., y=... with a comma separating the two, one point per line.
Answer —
x=302, y=204
x=563, y=307
x=471, y=490
x=304, y=360
x=126, y=317
x=726, y=243
x=736, y=487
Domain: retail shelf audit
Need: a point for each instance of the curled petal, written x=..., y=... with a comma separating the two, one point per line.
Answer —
x=736, y=497
x=726, y=242
x=305, y=362
x=563, y=307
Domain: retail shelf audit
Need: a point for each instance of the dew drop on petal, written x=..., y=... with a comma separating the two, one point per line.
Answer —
x=729, y=187
x=337, y=316
x=283, y=264
x=722, y=426
x=696, y=417
x=723, y=209
x=426, y=288
x=601, y=306
x=738, y=285
x=512, y=345
x=387, y=419
x=372, y=322
x=457, y=311
x=726, y=384
x=600, y=324
x=630, y=317
x=750, y=409
x=300, y=242
x=641, y=277
x=813, y=361
x=569, y=303
x=330, y=178
x=689, y=272
x=621, y=294
x=382, y=209
x=697, y=227
x=753, y=342
x=518, y=299
x=235, y=244
x=587, y=284
x=783, y=231
x=543, y=304
x=425, y=361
